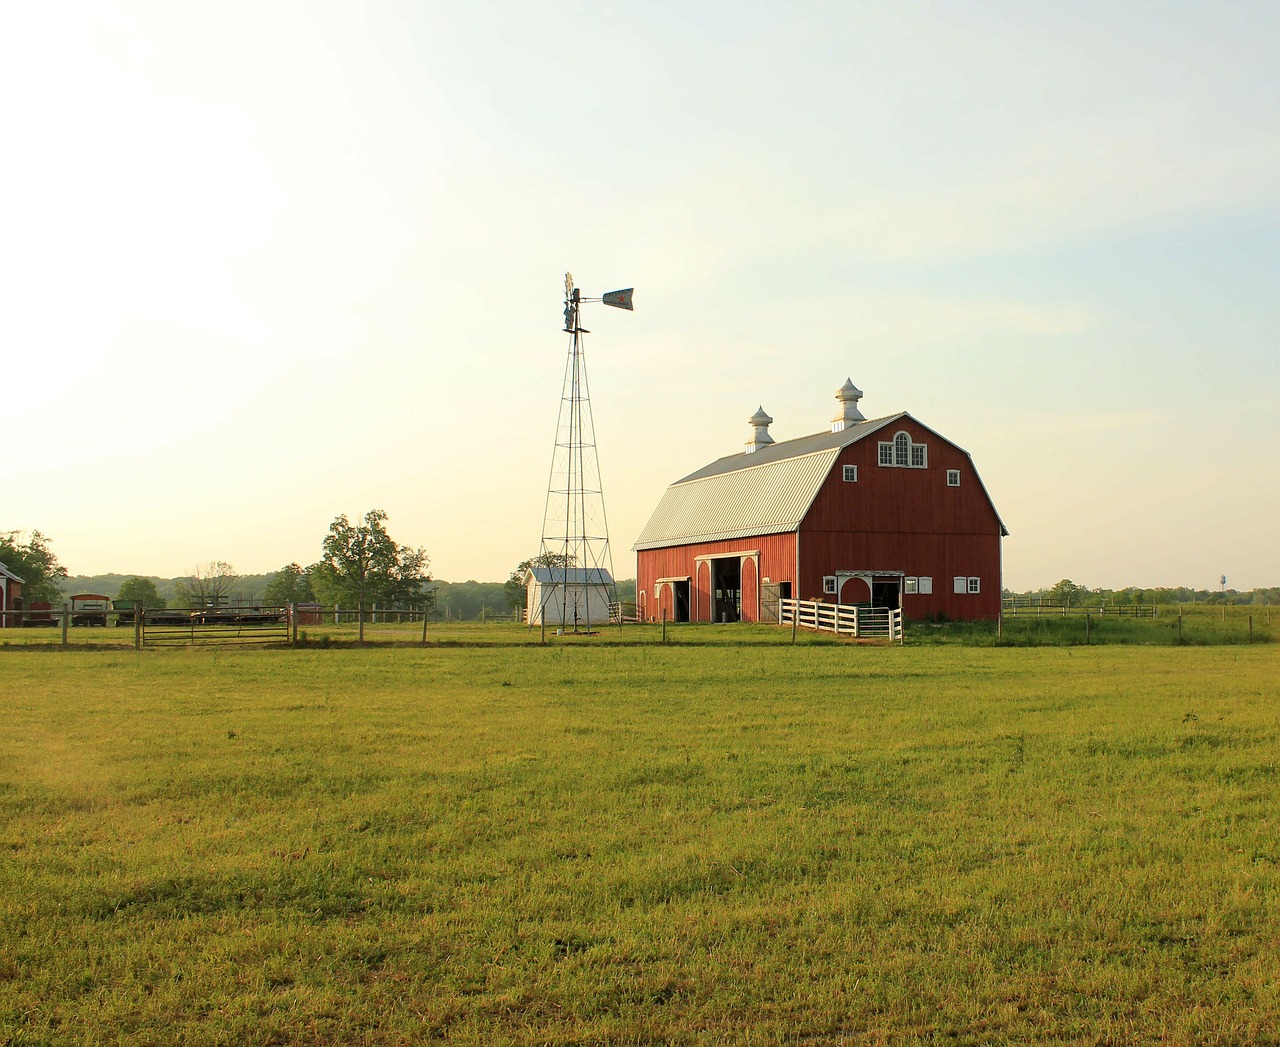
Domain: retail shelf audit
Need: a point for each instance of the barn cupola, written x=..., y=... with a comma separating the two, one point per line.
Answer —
x=847, y=396
x=760, y=422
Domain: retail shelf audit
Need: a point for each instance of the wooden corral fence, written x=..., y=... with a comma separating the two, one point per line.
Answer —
x=199, y=626
x=1025, y=608
x=856, y=620
x=624, y=611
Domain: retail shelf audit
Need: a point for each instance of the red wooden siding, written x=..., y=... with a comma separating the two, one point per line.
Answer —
x=777, y=562
x=906, y=520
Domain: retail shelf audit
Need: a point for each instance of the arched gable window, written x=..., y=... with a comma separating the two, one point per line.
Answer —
x=902, y=453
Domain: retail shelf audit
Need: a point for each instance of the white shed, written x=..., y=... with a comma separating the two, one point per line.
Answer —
x=570, y=598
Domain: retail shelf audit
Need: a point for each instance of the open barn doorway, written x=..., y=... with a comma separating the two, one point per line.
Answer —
x=726, y=588
x=680, y=606
x=885, y=592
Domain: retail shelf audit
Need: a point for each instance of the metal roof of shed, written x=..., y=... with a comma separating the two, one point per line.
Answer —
x=571, y=575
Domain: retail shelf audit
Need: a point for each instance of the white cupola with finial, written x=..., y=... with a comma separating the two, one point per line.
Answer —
x=760, y=422
x=848, y=396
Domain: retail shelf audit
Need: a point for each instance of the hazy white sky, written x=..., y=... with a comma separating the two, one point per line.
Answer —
x=263, y=263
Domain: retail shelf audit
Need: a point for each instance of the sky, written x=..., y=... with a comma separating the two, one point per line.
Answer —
x=264, y=263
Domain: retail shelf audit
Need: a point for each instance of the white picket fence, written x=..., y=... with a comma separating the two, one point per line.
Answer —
x=859, y=622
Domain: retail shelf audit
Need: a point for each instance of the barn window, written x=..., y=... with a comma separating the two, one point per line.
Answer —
x=953, y=477
x=829, y=584
x=901, y=453
x=851, y=474
x=902, y=450
x=975, y=585
x=926, y=584
x=960, y=584
x=911, y=585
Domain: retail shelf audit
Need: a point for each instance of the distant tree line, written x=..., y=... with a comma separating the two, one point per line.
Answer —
x=1068, y=592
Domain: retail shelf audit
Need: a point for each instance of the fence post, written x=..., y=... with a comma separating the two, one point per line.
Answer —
x=1088, y=622
x=426, y=613
x=1179, y=625
x=664, y=625
x=137, y=626
x=795, y=620
x=293, y=622
x=1251, y=628
x=66, y=618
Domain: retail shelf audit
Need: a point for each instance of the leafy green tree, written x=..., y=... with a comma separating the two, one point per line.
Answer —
x=362, y=564
x=34, y=562
x=290, y=584
x=141, y=592
x=210, y=585
x=1066, y=592
x=513, y=589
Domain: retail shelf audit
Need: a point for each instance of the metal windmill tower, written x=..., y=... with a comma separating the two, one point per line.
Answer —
x=575, y=531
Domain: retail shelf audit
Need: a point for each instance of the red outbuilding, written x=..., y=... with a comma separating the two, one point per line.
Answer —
x=885, y=512
x=10, y=598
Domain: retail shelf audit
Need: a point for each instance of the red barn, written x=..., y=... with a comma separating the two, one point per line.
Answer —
x=885, y=512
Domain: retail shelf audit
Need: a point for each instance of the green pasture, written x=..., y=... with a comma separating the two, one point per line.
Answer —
x=630, y=844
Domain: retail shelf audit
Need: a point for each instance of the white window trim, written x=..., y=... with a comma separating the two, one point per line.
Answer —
x=975, y=585
x=850, y=474
x=829, y=584
x=925, y=585
x=910, y=586
x=953, y=477
x=888, y=453
x=960, y=584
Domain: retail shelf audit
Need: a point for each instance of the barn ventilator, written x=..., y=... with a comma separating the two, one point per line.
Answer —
x=575, y=530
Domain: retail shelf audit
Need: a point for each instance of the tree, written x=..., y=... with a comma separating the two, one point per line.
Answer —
x=141, y=592
x=1066, y=592
x=290, y=584
x=33, y=562
x=513, y=589
x=208, y=586
x=362, y=564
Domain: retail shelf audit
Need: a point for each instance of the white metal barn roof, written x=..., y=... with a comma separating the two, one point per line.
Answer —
x=765, y=492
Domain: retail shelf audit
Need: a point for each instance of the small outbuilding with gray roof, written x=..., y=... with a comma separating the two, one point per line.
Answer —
x=886, y=512
x=573, y=598
x=10, y=598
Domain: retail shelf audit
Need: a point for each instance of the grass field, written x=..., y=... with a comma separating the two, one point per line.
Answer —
x=702, y=843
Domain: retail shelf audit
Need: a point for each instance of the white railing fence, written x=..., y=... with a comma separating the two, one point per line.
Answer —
x=856, y=620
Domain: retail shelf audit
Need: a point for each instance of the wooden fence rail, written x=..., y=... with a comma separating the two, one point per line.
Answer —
x=1049, y=609
x=856, y=620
